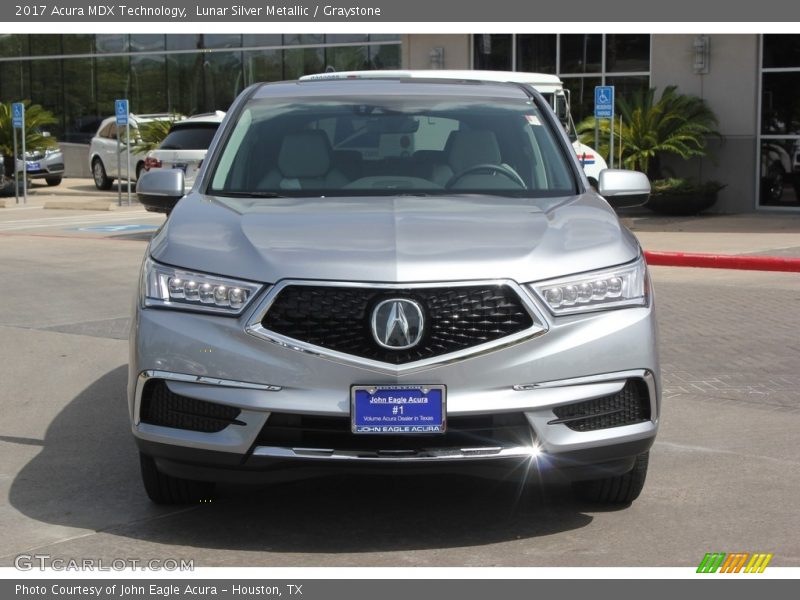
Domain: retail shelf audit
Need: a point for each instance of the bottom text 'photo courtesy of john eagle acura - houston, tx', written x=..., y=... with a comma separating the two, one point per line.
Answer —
x=396, y=275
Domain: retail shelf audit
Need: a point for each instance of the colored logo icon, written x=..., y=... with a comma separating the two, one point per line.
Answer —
x=737, y=562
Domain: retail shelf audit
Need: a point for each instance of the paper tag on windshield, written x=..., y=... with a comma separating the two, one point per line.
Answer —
x=533, y=120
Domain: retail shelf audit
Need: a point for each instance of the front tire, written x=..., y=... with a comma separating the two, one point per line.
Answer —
x=772, y=184
x=166, y=489
x=101, y=180
x=55, y=180
x=622, y=489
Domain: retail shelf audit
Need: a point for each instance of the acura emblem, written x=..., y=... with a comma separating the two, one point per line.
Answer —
x=397, y=323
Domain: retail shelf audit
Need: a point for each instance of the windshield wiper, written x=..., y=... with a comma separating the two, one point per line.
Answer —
x=242, y=194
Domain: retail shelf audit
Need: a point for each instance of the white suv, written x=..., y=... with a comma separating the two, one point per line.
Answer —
x=103, y=158
x=184, y=148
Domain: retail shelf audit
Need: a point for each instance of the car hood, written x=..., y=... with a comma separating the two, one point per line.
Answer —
x=393, y=239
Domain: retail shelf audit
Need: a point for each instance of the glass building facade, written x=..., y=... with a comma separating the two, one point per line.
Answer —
x=78, y=76
x=582, y=61
x=779, y=129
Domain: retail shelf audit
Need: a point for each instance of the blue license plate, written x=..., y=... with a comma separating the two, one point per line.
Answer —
x=34, y=166
x=406, y=409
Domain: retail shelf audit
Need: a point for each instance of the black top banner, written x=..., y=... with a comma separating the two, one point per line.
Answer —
x=438, y=11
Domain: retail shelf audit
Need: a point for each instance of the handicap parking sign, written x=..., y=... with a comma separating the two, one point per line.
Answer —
x=121, y=110
x=18, y=115
x=604, y=102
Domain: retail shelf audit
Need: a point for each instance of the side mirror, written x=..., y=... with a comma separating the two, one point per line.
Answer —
x=623, y=188
x=160, y=188
x=562, y=110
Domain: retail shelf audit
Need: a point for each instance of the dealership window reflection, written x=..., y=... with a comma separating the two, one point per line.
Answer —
x=181, y=73
x=779, y=145
x=582, y=61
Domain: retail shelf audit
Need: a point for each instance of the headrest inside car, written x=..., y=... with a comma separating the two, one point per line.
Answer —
x=470, y=148
x=305, y=154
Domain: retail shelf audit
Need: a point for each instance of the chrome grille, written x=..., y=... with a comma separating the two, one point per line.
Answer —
x=338, y=318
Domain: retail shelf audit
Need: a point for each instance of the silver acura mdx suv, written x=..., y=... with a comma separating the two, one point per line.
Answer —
x=397, y=275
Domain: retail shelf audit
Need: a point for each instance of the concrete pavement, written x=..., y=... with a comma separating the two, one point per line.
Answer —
x=72, y=194
x=724, y=470
x=764, y=234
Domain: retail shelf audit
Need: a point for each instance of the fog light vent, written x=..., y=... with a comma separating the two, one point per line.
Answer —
x=162, y=407
x=628, y=406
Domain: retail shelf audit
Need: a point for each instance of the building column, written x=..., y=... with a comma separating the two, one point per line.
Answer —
x=730, y=86
x=444, y=51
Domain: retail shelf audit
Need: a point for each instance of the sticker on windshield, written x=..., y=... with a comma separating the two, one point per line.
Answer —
x=533, y=120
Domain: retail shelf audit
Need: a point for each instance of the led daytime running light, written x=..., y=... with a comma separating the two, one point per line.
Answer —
x=169, y=287
x=610, y=288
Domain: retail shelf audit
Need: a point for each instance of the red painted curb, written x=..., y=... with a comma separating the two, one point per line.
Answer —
x=723, y=261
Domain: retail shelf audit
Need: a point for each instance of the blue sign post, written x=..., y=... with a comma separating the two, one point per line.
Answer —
x=604, y=109
x=604, y=102
x=18, y=115
x=121, y=112
x=18, y=122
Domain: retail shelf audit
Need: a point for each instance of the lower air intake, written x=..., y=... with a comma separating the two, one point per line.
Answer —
x=308, y=431
x=628, y=406
x=162, y=407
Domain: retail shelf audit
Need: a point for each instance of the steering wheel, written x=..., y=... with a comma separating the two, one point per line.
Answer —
x=501, y=169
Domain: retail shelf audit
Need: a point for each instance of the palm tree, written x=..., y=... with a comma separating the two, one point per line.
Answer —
x=152, y=133
x=674, y=124
x=36, y=118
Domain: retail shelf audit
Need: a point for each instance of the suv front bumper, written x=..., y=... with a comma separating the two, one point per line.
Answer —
x=214, y=360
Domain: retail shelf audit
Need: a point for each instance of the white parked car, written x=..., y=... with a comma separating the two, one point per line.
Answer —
x=103, y=153
x=549, y=86
x=184, y=148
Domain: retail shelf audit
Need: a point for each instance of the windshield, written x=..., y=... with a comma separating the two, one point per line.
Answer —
x=190, y=137
x=390, y=145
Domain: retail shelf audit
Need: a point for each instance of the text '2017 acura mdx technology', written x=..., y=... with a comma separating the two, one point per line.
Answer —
x=384, y=273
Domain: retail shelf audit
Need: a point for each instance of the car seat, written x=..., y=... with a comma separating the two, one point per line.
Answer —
x=465, y=149
x=304, y=162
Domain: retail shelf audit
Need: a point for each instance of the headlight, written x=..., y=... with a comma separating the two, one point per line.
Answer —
x=51, y=151
x=617, y=287
x=169, y=287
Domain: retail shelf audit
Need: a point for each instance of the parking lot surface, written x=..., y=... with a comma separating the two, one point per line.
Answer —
x=724, y=474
